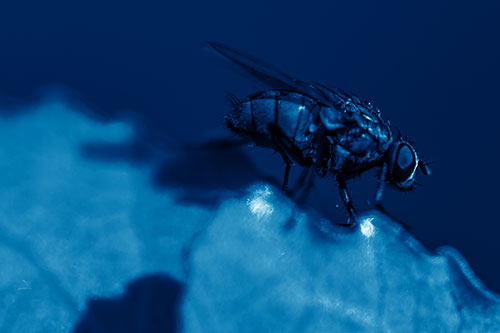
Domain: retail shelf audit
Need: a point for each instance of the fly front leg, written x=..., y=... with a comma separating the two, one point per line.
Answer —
x=381, y=183
x=382, y=176
x=346, y=198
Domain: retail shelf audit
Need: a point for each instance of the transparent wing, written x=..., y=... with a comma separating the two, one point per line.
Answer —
x=272, y=76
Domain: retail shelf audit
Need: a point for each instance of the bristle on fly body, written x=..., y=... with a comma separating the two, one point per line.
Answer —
x=235, y=102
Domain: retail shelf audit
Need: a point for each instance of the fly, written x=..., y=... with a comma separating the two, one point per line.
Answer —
x=331, y=130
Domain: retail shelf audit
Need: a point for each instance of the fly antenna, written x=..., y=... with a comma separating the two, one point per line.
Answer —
x=424, y=167
x=429, y=162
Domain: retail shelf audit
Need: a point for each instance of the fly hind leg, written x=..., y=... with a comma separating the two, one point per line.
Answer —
x=288, y=162
x=288, y=166
x=287, y=150
x=304, y=184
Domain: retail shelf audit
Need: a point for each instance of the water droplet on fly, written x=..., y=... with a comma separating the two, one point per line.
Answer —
x=312, y=128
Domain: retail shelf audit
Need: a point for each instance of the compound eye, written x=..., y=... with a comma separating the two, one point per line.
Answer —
x=405, y=163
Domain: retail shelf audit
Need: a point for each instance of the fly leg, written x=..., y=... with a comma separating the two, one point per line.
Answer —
x=305, y=182
x=287, y=145
x=277, y=138
x=346, y=198
x=380, y=189
x=287, y=150
x=381, y=183
x=378, y=198
x=288, y=166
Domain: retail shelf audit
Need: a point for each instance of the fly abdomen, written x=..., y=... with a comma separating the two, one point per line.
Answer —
x=292, y=113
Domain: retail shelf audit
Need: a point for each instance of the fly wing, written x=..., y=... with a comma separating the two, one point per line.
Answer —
x=270, y=75
x=349, y=101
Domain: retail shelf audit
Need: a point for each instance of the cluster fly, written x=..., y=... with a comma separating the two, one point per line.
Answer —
x=331, y=130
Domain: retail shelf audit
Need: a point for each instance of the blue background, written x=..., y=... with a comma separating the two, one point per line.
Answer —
x=431, y=67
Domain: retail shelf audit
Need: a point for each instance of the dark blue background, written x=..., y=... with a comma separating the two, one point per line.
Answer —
x=431, y=67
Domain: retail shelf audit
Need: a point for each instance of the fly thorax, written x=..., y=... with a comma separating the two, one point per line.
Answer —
x=331, y=118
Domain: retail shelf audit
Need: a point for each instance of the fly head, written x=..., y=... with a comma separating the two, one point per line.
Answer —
x=403, y=162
